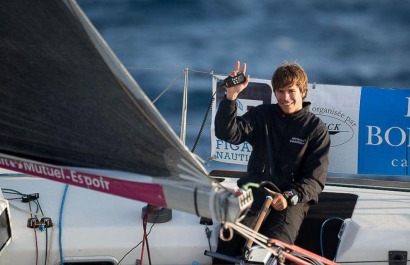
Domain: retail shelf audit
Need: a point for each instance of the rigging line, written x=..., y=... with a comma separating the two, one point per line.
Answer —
x=167, y=135
x=249, y=233
x=168, y=87
x=11, y=191
x=39, y=206
x=60, y=225
x=46, y=257
x=152, y=68
x=146, y=239
x=262, y=241
x=322, y=232
x=42, y=213
x=201, y=72
x=144, y=223
x=25, y=211
x=126, y=254
x=149, y=232
x=50, y=245
x=13, y=199
x=257, y=238
x=204, y=122
x=35, y=234
x=168, y=69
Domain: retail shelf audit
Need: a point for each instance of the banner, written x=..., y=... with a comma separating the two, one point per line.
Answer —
x=258, y=92
x=369, y=126
x=147, y=192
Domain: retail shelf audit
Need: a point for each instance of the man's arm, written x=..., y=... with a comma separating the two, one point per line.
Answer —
x=228, y=126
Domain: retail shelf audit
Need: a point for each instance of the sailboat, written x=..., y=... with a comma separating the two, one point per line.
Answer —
x=71, y=113
x=98, y=168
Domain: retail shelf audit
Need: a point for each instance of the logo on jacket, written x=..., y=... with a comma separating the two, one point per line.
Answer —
x=296, y=140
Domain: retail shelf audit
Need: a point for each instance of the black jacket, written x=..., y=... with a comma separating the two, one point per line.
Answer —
x=299, y=144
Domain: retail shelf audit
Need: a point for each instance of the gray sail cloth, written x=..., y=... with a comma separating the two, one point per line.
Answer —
x=61, y=104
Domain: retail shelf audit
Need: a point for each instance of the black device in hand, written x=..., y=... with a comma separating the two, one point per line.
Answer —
x=234, y=80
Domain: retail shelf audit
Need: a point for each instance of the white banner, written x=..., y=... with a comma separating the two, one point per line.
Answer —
x=369, y=127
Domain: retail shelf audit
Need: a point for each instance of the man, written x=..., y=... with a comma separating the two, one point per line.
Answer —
x=290, y=149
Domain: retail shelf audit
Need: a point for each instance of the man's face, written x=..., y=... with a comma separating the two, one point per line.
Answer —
x=289, y=99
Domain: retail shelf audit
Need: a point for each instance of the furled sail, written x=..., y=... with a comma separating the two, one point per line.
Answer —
x=67, y=105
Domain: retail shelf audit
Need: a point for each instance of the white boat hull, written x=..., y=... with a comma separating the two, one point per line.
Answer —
x=99, y=226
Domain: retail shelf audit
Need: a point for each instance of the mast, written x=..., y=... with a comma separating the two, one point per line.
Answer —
x=184, y=106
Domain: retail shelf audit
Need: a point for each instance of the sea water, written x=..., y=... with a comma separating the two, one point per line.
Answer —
x=342, y=42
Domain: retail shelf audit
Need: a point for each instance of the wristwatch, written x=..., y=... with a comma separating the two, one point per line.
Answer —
x=291, y=197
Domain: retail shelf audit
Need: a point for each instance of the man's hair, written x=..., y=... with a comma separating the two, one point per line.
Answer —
x=290, y=74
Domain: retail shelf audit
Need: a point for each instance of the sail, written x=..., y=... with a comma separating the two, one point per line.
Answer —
x=67, y=103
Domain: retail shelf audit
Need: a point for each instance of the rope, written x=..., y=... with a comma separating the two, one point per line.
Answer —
x=50, y=245
x=168, y=87
x=321, y=232
x=145, y=235
x=60, y=225
x=203, y=123
x=35, y=234
x=182, y=72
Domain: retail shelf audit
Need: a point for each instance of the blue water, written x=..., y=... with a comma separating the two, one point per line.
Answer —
x=346, y=42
